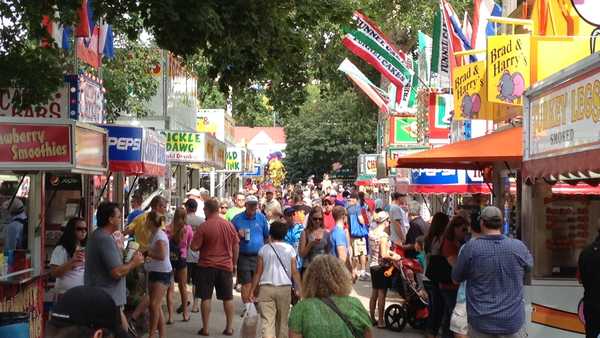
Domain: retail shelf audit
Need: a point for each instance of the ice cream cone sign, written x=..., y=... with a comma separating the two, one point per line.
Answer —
x=589, y=11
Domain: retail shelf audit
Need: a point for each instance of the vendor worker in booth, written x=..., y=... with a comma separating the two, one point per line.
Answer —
x=15, y=227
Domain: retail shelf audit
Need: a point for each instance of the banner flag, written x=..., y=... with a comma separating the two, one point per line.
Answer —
x=458, y=40
x=370, y=44
x=376, y=94
x=482, y=11
x=425, y=45
x=440, y=53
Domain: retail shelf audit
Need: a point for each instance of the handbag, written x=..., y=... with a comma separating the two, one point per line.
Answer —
x=438, y=269
x=293, y=291
x=331, y=304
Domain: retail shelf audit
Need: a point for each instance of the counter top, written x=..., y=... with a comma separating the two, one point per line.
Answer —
x=20, y=279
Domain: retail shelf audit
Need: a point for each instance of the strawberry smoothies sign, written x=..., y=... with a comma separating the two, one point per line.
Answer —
x=508, y=68
x=23, y=145
x=52, y=146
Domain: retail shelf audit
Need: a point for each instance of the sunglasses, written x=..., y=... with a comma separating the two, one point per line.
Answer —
x=317, y=219
x=81, y=229
x=223, y=207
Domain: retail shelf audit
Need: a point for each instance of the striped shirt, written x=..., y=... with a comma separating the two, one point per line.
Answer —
x=494, y=267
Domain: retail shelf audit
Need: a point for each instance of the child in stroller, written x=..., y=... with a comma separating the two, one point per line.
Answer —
x=414, y=309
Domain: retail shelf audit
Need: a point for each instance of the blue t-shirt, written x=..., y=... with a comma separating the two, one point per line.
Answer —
x=134, y=214
x=337, y=237
x=357, y=229
x=293, y=235
x=259, y=232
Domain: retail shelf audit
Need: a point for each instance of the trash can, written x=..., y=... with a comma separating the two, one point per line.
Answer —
x=14, y=324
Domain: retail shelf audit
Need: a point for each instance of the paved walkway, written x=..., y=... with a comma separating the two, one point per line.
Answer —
x=189, y=329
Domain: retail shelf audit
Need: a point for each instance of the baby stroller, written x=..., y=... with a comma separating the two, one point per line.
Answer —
x=414, y=310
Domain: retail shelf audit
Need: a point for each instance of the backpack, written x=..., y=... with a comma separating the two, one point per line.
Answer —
x=174, y=252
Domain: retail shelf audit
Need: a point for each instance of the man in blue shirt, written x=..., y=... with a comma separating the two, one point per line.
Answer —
x=136, y=208
x=494, y=267
x=338, y=238
x=253, y=229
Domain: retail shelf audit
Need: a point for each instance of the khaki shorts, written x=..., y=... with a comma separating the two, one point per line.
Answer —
x=458, y=323
x=359, y=246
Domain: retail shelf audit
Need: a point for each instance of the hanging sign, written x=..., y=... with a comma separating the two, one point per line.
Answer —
x=154, y=153
x=90, y=148
x=214, y=152
x=367, y=166
x=125, y=148
x=185, y=146
x=403, y=130
x=31, y=145
x=469, y=89
x=234, y=160
x=508, y=68
x=440, y=114
x=86, y=99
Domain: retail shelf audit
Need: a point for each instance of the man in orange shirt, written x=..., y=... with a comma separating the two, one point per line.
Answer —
x=218, y=244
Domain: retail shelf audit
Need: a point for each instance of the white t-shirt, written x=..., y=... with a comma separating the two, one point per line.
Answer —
x=273, y=272
x=398, y=214
x=156, y=265
x=71, y=278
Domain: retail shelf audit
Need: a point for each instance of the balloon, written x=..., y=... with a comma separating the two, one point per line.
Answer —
x=518, y=85
x=476, y=103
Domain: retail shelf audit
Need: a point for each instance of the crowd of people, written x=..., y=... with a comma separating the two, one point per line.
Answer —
x=296, y=254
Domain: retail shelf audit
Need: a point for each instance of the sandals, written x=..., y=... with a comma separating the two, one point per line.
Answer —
x=203, y=333
x=228, y=332
x=186, y=319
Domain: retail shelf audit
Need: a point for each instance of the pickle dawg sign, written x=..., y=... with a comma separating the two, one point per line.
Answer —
x=47, y=144
x=184, y=146
x=508, y=68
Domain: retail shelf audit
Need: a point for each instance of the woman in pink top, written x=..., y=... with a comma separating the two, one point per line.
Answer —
x=180, y=237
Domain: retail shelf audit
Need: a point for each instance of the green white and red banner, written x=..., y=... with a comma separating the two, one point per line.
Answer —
x=376, y=94
x=368, y=42
x=440, y=55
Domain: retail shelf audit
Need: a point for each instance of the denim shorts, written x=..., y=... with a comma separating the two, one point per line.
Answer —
x=160, y=277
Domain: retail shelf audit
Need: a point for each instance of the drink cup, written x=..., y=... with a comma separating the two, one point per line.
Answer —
x=132, y=248
x=247, y=234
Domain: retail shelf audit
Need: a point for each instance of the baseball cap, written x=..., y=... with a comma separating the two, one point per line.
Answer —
x=88, y=306
x=193, y=192
x=491, y=213
x=251, y=199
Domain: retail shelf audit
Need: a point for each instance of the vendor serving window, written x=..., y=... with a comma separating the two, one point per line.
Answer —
x=14, y=222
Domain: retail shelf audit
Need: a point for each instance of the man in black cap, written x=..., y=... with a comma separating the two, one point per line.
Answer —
x=85, y=312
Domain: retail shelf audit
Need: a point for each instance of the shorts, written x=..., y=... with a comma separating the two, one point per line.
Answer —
x=192, y=273
x=179, y=264
x=359, y=246
x=473, y=333
x=458, y=323
x=378, y=279
x=212, y=278
x=246, y=268
x=160, y=277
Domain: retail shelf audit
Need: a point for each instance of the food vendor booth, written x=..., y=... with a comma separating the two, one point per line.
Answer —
x=188, y=149
x=562, y=148
x=133, y=153
x=43, y=166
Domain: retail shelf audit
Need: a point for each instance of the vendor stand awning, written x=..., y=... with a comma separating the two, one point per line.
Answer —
x=136, y=151
x=476, y=154
x=447, y=181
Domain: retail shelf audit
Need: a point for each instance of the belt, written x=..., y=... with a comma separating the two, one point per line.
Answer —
x=248, y=254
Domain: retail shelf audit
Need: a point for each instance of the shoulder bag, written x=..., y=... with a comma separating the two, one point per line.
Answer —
x=438, y=268
x=293, y=292
x=331, y=304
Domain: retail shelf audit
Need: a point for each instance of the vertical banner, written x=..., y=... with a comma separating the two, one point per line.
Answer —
x=440, y=54
x=425, y=46
x=469, y=89
x=440, y=106
x=508, y=68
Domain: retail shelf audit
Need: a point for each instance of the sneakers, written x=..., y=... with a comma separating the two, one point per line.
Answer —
x=364, y=277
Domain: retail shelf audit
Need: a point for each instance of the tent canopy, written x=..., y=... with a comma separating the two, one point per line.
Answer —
x=478, y=153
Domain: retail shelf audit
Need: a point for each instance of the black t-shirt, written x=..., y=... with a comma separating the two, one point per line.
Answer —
x=418, y=227
x=589, y=261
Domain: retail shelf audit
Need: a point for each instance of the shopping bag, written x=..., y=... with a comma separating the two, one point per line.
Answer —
x=249, y=322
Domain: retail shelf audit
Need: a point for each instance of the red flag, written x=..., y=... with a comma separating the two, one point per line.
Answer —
x=83, y=28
